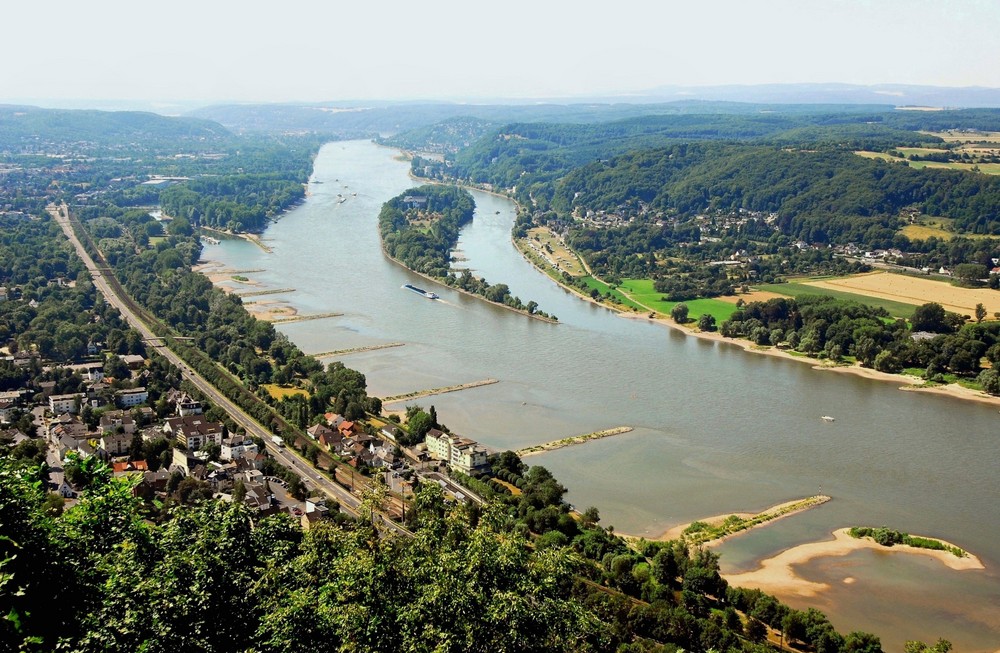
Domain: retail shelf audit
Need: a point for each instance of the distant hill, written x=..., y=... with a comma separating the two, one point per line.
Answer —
x=24, y=124
x=900, y=95
x=365, y=120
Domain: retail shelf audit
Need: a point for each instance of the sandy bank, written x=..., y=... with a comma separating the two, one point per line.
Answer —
x=767, y=516
x=777, y=574
x=904, y=381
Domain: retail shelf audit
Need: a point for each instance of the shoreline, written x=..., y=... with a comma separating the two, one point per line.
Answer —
x=905, y=382
x=776, y=575
x=266, y=310
x=245, y=235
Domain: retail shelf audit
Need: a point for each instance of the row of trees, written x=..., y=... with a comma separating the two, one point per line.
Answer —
x=829, y=328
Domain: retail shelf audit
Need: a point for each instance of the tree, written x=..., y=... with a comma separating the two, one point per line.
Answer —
x=706, y=322
x=679, y=313
x=980, y=312
x=930, y=317
x=970, y=273
x=861, y=642
x=756, y=631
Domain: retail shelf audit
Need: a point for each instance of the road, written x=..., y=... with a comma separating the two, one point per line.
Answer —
x=313, y=479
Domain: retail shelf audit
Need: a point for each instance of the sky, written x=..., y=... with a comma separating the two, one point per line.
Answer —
x=209, y=51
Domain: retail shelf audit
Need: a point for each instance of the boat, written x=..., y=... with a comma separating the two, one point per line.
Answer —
x=421, y=291
x=827, y=418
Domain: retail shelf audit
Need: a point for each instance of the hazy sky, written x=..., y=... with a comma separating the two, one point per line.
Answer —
x=309, y=50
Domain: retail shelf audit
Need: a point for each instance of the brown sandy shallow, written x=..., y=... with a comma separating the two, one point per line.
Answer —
x=777, y=575
x=262, y=309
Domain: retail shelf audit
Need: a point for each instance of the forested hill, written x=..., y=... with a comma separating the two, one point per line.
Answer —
x=820, y=197
x=23, y=125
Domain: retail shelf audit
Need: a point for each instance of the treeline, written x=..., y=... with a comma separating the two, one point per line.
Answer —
x=236, y=203
x=420, y=228
x=825, y=327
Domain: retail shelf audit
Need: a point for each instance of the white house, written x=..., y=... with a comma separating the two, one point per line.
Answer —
x=132, y=397
x=59, y=404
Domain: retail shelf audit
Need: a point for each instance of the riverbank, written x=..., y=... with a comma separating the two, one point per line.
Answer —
x=249, y=237
x=268, y=310
x=776, y=575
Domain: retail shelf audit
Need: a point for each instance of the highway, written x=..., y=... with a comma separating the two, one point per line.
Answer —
x=313, y=479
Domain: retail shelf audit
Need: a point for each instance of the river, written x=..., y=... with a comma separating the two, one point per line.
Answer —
x=716, y=429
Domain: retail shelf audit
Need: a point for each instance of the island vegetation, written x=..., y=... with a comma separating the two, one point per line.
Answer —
x=420, y=229
x=889, y=537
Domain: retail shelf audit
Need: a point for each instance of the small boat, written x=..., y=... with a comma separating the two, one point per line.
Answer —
x=827, y=418
x=421, y=291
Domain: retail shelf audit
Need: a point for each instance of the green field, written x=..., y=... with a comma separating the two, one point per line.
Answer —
x=896, y=309
x=604, y=288
x=643, y=292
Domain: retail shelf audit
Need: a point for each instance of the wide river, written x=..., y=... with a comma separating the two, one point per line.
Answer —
x=717, y=429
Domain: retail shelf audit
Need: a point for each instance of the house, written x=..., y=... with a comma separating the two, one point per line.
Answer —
x=193, y=431
x=188, y=407
x=93, y=371
x=333, y=441
x=134, y=361
x=7, y=409
x=116, y=419
x=129, y=467
x=317, y=430
x=116, y=444
x=460, y=453
x=333, y=419
x=238, y=446
x=132, y=397
x=346, y=428
x=65, y=403
x=390, y=431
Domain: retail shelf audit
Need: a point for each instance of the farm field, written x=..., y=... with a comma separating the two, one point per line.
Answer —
x=808, y=287
x=642, y=291
x=985, y=168
x=914, y=290
x=951, y=136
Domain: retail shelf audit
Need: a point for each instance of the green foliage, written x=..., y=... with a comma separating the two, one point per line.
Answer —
x=888, y=537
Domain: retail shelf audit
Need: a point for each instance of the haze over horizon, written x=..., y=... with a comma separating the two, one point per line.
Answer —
x=256, y=51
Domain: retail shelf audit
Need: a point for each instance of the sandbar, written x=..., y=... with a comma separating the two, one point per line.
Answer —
x=777, y=575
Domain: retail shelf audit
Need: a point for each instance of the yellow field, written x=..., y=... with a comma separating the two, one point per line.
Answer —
x=916, y=290
x=876, y=155
x=752, y=296
x=923, y=232
x=560, y=256
x=966, y=137
x=279, y=391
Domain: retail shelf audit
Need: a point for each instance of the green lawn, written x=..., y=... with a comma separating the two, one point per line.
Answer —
x=896, y=309
x=604, y=288
x=643, y=292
